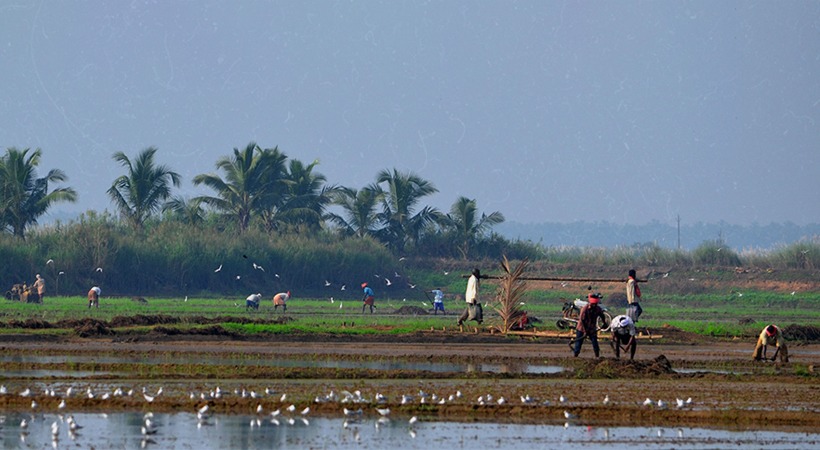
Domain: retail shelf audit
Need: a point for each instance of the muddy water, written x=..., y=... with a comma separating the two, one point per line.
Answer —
x=185, y=431
x=288, y=362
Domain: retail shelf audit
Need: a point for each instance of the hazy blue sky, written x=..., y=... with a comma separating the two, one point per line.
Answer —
x=547, y=111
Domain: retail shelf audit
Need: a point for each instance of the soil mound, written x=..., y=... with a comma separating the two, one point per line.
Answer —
x=143, y=320
x=92, y=327
x=624, y=368
x=796, y=332
x=34, y=324
x=411, y=311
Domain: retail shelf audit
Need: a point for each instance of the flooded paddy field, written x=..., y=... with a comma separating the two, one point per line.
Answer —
x=186, y=430
x=311, y=393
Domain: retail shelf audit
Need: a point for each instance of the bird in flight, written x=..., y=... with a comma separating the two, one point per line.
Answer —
x=218, y=268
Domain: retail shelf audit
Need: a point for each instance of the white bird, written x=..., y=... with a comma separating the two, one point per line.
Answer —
x=148, y=398
x=291, y=408
x=344, y=286
x=61, y=405
x=99, y=269
x=387, y=280
x=412, y=286
x=61, y=273
x=259, y=409
x=258, y=267
x=648, y=402
x=34, y=404
x=186, y=298
x=50, y=261
x=606, y=400
x=238, y=277
x=204, y=409
x=661, y=404
x=569, y=416
x=327, y=283
x=283, y=397
x=350, y=412
x=24, y=424
x=340, y=305
x=25, y=393
x=218, y=269
x=501, y=400
x=562, y=399
x=305, y=411
x=413, y=420
x=275, y=413
x=383, y=411
x=680, y=403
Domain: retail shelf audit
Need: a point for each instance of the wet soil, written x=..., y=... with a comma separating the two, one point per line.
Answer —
x=726, y=387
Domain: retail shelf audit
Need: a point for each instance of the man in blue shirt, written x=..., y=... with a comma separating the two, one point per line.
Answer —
x=368, y=299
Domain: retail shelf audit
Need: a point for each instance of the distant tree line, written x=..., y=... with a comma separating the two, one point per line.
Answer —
x=261, y=189
x=274, y=223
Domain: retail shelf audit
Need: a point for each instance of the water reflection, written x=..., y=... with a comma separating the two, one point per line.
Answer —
x=185, y=431
x=517, y=367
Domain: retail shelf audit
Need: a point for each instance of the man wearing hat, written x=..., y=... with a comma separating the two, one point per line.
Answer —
x=623, y=335
x=281, y=299
x=588, y=324
x=771, y=335
x=369, y=298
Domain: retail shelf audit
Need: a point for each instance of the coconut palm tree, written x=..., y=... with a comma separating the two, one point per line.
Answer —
x=402, y=194
x=359, y=209
x=463, y=222
x=185, y=210
x=143, y=190
x=253, y=184
x=23, y=196
x=305, y=199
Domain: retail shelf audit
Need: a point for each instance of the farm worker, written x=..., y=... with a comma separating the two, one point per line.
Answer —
x=40, y=286
x=253, y=301
x=280, y=299
x=473, y=311
x=438, y=300
x=94, y=297
x=633, y=296
x=369, y=298
x=624, y=335
x=771, y=335
x=588, y=324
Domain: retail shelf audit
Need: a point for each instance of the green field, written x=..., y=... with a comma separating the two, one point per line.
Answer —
x=711, y=315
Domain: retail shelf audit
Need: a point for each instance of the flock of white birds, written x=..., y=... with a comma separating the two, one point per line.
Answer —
x=354, y=406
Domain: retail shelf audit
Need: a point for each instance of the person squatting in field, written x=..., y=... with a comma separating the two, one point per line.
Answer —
x=474, y=310
x=624, y=335
x=771, y=335
x=368, y=299
x=281, y=299
x=633, y=297
x=588, y=324
x=438, y=300
x=94, y=297
x=253, y=301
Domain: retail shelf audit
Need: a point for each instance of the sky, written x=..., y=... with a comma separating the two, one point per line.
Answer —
x=546, y=111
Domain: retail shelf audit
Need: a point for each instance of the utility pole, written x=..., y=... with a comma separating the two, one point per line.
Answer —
x=678, y=231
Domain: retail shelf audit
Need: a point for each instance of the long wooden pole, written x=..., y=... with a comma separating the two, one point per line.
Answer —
x=579, y=280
